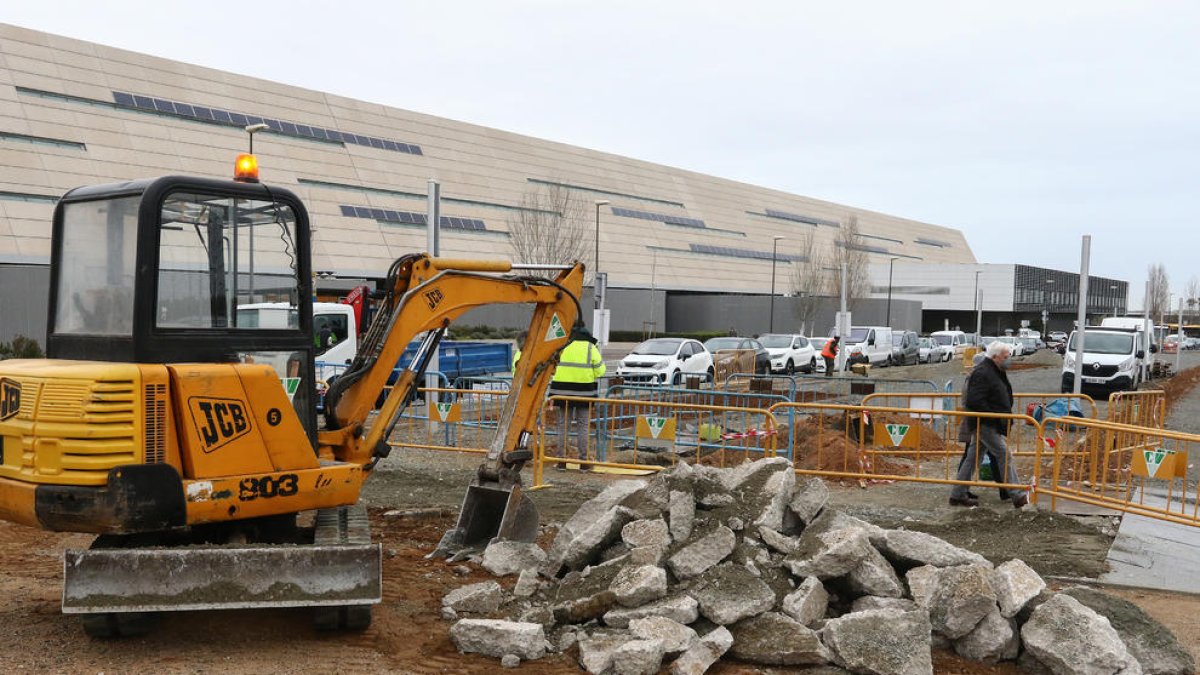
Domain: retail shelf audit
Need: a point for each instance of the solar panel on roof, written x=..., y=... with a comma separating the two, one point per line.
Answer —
x=122, y=98
x=239, y=119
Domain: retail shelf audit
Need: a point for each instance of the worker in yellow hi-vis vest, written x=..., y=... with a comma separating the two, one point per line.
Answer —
x=578, y=374
x=517, y=351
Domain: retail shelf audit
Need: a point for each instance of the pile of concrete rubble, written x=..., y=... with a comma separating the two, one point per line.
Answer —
x=699, y=564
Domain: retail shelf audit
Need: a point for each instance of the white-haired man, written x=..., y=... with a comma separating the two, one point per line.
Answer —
x=988, y=391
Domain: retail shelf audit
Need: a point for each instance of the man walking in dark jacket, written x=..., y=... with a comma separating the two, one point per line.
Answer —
x=989, y=391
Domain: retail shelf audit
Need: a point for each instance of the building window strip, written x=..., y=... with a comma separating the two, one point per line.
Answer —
x=41, y=140
x=601, y=191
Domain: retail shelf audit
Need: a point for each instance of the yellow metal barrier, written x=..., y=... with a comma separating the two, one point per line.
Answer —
x=726, y=362
x=865, y=443
x=1122, y=467
x=1139, y=408
x=462, y=420
x=633, y=436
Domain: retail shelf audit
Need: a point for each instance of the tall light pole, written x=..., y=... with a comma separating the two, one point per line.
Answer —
x=891, y=262
x=596, y=271
x=254, y=129
x=774, y=250
x=978, y=302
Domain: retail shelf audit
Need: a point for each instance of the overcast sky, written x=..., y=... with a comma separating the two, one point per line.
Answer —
x=1023, y=124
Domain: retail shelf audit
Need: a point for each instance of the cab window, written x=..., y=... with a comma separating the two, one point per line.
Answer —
x=217, y=253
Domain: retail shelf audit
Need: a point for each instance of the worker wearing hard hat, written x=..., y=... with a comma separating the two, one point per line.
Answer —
x=578, y=373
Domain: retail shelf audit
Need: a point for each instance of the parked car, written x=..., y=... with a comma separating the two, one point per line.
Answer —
x=1191, y=343
x=790, y=352
x=906, y=348
x=1113, y=360
x=871, y=344
x=1030, y=345
x=929, y=351
x=658, y=361
x=1018, y=348
x=956, y=340
x=762, y=358
x=1057, y=336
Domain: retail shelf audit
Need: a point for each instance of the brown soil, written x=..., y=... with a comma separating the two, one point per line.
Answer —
x=1179, y=385
x=408, y=635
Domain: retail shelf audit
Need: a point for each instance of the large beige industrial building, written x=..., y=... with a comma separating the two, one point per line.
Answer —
x=75, y=113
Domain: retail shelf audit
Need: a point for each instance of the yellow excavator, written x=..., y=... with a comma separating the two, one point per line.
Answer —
x=185, y=435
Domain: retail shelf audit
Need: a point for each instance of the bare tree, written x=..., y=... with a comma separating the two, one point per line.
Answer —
x=1158, y=293
x=810, y=279
x=1191, y=294
x=552, y=226
x=849, y=250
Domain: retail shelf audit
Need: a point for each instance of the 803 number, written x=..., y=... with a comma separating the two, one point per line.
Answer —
x=268, y=486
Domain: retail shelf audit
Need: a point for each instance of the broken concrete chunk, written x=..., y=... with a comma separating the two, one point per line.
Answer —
x=994, y=639
x=1016, y=584
x=868, y=602
x=832, y=554
x=1068, y=637
x=875, y=576
x=1151, y=643
x=773, y=639
x=681, y=514
x=962, y=598
x=510, y=661
x=582, y=597
x=809, y=499
x=585, y=517
x=737, y=476
x=881, y=642
x=584, y=549
x=527, y=584
x=777, y=541
x=499, y=638
x=922, y=581
x=539, y=614
x=705, y=652
x=775, y=495
x=503, y=558
x=635, y=586
x=675, y=636
x=808, y=603
x=638, y=657
x=700, y=555
x=646, y=533
x=729, y=593
x=648, y=555
x=681, y=608
x=910, y=549
x=483, y=597
x=596, y=653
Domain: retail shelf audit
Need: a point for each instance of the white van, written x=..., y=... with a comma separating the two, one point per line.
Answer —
x=335, y=334
x=1113, y=359
x=953, y=339
x=872, y=342
x=1146, y=338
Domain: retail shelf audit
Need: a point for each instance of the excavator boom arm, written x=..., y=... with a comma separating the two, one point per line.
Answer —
x=428, y=294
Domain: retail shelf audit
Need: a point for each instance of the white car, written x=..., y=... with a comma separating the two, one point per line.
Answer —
x=662, y=360
x=1018, y=349
x=932, y=352
x=790, y=353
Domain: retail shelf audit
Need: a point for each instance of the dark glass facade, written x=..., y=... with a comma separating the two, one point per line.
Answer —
x=1038, y=288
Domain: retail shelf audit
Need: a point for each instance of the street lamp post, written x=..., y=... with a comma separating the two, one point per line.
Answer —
x=774, y=249
x=596, y=272
x=891, y=263
x=254, y=129
x=976, y=306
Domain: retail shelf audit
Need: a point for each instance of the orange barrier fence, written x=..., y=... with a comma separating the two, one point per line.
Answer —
x=462, y=420
x=1139, y=408
x=637, y=436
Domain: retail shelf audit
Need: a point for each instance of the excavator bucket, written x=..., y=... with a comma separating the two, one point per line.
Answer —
x=340, y=568
x=490, y=511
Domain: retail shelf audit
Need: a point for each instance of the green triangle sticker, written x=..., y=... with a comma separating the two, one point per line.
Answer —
x=290, y=385
x=1154, y=459
x=656, y=425
x=556, y=330
x=897, y=432
x=444, y=410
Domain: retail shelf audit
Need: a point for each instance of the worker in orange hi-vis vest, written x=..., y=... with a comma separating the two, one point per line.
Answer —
x=829, y=352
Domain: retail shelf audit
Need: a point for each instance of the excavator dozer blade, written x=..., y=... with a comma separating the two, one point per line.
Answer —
x=335, y=570
x=490, y=511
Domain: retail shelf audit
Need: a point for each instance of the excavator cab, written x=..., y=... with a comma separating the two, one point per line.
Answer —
x=154, y=271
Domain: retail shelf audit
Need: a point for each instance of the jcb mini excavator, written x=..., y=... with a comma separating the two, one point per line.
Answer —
x=185, y=436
